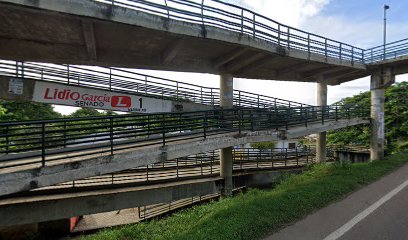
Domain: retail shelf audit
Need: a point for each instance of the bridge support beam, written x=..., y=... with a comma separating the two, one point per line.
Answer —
x=321, y=137
x=379, y=82
x=226, y=101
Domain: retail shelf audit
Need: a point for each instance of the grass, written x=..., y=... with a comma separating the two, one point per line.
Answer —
x=259, y=212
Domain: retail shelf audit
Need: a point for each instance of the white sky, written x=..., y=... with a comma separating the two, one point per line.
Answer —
x=307, y=15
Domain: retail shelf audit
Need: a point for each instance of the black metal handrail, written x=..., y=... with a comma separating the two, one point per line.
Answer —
x=244, y=21
x=198, y=166
x=128, y=81
x=45, y=142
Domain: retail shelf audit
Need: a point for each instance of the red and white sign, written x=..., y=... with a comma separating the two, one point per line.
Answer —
x=62, y=94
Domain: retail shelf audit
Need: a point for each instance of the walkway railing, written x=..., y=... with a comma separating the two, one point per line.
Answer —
x=198, y=166
x=40, y=143
x=244, y=21
x=121, y=80
x=392, y=50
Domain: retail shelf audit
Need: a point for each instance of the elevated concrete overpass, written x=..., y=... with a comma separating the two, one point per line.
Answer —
x=175, y=36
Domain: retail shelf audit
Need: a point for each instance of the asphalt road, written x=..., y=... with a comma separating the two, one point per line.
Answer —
x=378, y=211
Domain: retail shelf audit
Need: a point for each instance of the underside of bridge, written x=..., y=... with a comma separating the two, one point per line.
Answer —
x=91, y=33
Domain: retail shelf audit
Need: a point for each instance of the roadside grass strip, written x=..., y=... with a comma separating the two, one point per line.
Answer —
x=257, y=213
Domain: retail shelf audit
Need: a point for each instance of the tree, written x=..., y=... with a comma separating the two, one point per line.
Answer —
x=396, y=119
x=24, y=110
x=85, y=112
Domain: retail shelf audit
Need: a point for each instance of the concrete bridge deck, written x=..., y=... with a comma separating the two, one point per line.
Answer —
x=153, y=36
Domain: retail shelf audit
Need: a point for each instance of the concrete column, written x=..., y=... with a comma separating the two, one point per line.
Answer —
x=321, y=137
x=377, y=118
x=226, y=101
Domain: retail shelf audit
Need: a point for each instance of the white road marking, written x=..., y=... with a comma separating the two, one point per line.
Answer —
x=350, y=224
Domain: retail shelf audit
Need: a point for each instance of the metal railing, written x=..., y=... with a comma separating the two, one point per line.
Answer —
x=128, y=81
x=198, y=166
x=244, y=21
x=391, y=50
x=43, y=142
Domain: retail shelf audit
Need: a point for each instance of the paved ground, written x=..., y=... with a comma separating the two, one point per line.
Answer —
x=378, y=211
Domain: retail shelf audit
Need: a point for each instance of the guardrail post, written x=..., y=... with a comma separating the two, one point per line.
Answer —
x=287, y=118
x=325, y=48
x=308, y=44
x=177, y=90
x=68, y=73
x=340, y=52
x=202, y=12
x=22, y=69
x=205, y=124
x=43, y=144
x=145, y=85
x=7, y=140
x=110, y=79
x=242, y=21
x=111, y=134
x=279, y=34
x=164, y=130
x=288, y=38
x=65, y=134
x=167, y=8
x=352, y=55
x=201, y=92
x=254, y=34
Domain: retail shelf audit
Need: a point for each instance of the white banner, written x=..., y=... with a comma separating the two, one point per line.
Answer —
x=54, y=93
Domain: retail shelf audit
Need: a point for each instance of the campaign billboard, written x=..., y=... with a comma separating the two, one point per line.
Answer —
x=62, y=94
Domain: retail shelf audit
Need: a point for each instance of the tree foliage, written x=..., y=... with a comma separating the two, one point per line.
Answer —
x=396, y=119
x=23, y=111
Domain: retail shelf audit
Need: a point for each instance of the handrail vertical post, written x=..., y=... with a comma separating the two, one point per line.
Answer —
x=253, y=25
x=325, y=48
x=202, y=12
x=65, y=134
x=288, y=38
x=111, y=134
x=242, y=21
x=164, y=129
x=68, y=73
x=7, y=140
x=205, y=124
x=279, y=34
x=43, y=144
x=110, y=78
x=177, y=90
x=167, y=8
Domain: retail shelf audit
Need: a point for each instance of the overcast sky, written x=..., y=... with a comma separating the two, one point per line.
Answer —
x=357, y=22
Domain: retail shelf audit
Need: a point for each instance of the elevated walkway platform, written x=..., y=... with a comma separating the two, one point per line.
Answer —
x=158, y=138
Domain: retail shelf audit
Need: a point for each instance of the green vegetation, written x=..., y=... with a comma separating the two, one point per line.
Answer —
x=24, y=111
x=259, y=212
x=264, y=145
x=396, y=120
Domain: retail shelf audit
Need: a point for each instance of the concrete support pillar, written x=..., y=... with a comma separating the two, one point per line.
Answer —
x=321, y=137
x=377, y=118
x=226, y=101
x=380, y=80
